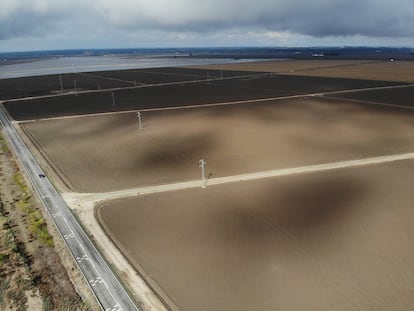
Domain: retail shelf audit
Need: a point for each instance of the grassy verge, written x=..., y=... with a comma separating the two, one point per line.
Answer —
x=31, y=272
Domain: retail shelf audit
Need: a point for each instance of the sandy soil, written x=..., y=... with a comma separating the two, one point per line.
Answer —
x=107, y=152
x=338, y=240
x=398, y=71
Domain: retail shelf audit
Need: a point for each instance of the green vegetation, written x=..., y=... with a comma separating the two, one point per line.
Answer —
x=13, y=259
x=36, y=222
x=3, y=145
x=29, y=265
x=18, y=295
x=4, y=258
x=4, y=286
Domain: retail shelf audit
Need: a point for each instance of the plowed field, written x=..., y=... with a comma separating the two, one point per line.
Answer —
x=238, y=89
x=108, y=152
x=339, y=240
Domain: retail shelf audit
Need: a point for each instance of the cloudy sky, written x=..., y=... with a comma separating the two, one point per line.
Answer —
x=70, y=24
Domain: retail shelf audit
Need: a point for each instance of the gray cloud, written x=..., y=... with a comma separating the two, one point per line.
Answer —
x=317, y=18
x=27, y=18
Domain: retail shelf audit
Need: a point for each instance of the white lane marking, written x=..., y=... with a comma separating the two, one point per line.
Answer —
x=29, y=167
x=96, y=281
x=69, y=236
x=114, y=308
x=57, y=214
x=91, y=262
x=83, y=258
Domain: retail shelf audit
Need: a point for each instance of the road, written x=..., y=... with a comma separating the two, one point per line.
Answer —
x=107, y=289
x=82, y=198
x=208, y=80
x=140, y=86
x=229, y=103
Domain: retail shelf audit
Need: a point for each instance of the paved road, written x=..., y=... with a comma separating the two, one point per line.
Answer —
x=108, y=291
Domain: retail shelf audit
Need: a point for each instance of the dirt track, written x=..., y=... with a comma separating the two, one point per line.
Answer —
x=397, y=96
x=338, y=240
x=178, y=95
x=104, y=153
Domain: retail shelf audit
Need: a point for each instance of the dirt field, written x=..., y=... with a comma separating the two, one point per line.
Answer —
x=338, y=240
x=182, y=95
x=165, y=75
x=398, y=71
x=44, y=85
x=400, y=96
x=107, y=152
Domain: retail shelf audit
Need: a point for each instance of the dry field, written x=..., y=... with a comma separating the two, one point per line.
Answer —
x=398, y=71
x=107, y=152
x=50, y=84
x=178, y=95
x=338, y=240
x=397, y=96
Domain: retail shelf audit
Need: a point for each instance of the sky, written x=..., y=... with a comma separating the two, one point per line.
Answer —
x=27, y=25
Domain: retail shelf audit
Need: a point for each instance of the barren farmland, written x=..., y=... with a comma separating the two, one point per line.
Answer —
x=108, y=152
x=398, y=71
x=339, y=240
x=237, y=89
x=334, y=240
x=50, y=84
x=398, y=96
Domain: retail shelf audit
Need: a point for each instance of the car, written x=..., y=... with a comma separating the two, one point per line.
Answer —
x=42, y=175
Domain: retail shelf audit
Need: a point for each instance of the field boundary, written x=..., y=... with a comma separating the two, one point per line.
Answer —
x=361, y=101
x=237, y=102
x=146, y=277
x=81, y=198
x=149, y=85
x=42, y=156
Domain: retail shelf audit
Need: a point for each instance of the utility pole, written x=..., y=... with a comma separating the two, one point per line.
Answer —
x=139, y=120
x=221, y=73
x=76, y=87
x=61, y=83
x=202, y=165
x=113, y=99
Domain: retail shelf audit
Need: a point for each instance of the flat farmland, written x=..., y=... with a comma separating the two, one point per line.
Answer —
x=399, y=96
x=338, y=240
x=50, y=84
x=170, y=75
x=107, y=152
x=237, y=89
x=398, y=71
x=134, y=99
x=46, y=85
